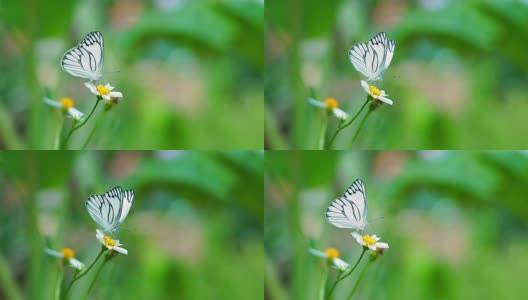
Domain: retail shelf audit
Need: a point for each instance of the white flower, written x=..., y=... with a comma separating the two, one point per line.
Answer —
x=330, y=104
x=110, y=243
x=332, y=255
x=67, y=105
x=67, y=254
x=375, y=93
x=369, y=241
x=105, y=91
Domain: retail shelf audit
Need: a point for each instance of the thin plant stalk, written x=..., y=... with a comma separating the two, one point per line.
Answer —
x=107, y=258
x=7, y=282
x=345, y=125
x=353, y=140
x=8, y=134
x=323, y=283
x=58, y=286
x=58, y=131
x=341, y=276
x=80, y=275
x=97, y=122
x=360, y=277
x=274, y=138
x=75, y=127
x=273, y=283
x=322, y=135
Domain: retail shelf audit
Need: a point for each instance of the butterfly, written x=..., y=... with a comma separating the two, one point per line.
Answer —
x=86, y=59
x=110, y=209
x=349, y=210
x=373, y=57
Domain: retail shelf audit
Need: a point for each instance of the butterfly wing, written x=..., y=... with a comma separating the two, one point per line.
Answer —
x=86, y=59
x=106, y=209
x=373, y=57
x=126, y=203
x=389, y=53
x=359, y=55
x=350, y=210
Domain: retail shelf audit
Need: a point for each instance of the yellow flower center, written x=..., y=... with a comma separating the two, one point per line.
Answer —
x=331, y=103
x=369, y=240
x=103, y=90
x=332, y=253
x=68, y=252
x=109, y=241
x=374, y=90
x=67, y=102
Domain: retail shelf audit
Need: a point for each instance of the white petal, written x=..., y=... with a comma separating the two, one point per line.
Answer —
x=375, y=237
x=317, y=253
x=340, y=264
x=317, y=103
x=382, y=245
x=76, y=264
x=384, y=99
x=120, y=250
x=115, y=94
x=108, y=86
x=100, y=236
x=75, y=113
x=372, y=247
x=357, y=236
x=365, y=86
x=106, y=97
x=53, y=252
x=91, y=87
x=53, y=103
x=340, y=114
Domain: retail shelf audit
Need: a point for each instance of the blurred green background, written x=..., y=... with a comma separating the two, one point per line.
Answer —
x=458, y=76
x=194, y=230
x=455, y=222
x=191, y=72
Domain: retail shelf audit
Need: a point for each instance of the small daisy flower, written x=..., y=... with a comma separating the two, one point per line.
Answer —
x=375, y=93
x=67, y=105
x=330, y=104
x=68, y=255
x=110, y=243
x=369, y=241
x=332, y=256
x=104, y=91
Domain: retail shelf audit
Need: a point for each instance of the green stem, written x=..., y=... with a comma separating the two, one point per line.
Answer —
x=95, y=277
x=73, y=128
x=359, y=128
x=56, y=141
x=360, y=277
x=323, y=283
x=345, y=125
x=7, y=281
x=97, y=122
x=322, y=136
x=59, y=282
x=340, y=278
x=79, y=276
x=273, y=283
x=273, y=136
x=8, y=134
x=296, y=30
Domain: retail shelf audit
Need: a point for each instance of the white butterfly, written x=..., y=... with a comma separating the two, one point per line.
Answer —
x=86, y=59
x=111, y=208
x=373, y=57
x=350, y=210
